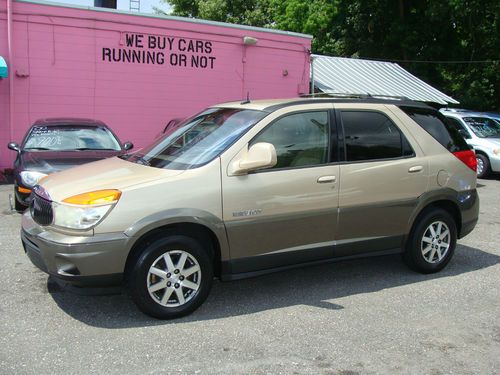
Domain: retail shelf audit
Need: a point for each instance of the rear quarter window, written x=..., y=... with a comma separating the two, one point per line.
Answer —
x=436, y=125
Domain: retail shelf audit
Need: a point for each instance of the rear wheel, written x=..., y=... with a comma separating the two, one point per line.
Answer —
x=171, y=278
x=483, y=166
x=432, y=241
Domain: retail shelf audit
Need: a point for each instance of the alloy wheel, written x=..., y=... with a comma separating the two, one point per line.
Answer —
x=480, y=166
x=174, y=278
x=435, y=242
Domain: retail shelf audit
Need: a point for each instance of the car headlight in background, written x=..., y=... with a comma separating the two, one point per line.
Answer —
x=31, y=178
x=84, y=211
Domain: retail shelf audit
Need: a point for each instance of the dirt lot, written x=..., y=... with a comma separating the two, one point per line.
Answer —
x=370, y=316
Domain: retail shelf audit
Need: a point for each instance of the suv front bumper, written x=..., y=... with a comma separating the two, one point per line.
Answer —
x=97, y=260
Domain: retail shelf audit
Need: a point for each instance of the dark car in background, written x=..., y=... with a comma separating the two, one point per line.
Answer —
x=54, y=144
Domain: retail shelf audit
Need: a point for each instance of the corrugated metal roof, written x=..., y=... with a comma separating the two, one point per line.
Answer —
x=342, y=75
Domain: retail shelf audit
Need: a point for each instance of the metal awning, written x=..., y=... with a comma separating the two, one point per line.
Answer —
x=3, y=68
x=342, y=75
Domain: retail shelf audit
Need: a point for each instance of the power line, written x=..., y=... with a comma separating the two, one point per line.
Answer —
x=436, y=61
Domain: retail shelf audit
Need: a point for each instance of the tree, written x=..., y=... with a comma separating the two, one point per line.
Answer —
x=244, y=12
x=451, y=44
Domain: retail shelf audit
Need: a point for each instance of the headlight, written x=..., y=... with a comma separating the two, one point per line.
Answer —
x=86, y=210
x=31, y=178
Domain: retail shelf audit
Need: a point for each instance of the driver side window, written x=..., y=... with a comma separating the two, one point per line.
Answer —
x=300, y=139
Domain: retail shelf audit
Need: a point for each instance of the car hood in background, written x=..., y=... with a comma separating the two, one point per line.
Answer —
x=55, y=161
x=487, y=143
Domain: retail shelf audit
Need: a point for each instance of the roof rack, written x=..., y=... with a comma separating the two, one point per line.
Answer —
x=352, y=95
x=457, y=110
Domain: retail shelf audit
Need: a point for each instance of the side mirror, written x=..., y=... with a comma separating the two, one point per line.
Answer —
x=260, y=155
x=128, y=146
x=14, y=147
x=464, y=133
x=170, y=125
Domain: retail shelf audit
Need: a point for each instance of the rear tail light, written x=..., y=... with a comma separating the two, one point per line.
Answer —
x=467, y=157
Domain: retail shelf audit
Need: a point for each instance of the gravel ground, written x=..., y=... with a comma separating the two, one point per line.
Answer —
x=369, y=316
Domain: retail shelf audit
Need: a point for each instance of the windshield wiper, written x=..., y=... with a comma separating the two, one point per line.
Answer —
x=91, y=148
x=142, y=161
x=37, y=148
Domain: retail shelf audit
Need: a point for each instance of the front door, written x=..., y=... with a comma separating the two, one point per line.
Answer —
x=286, y=214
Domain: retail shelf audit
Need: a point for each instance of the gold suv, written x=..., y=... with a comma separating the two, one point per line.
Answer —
x=243, y=189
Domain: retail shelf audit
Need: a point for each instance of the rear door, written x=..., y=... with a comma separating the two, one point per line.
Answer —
x=381, y=178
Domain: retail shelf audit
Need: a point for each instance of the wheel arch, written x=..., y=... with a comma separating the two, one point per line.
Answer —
x=481, y=152
x=197, y=231
x=203, y=226
x=446, y=203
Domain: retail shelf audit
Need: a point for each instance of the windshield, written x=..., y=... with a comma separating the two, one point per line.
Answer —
x=483, y=127
x=199, y=139
x=71, y=138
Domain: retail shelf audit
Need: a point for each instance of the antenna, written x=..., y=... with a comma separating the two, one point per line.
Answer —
x=247, y=100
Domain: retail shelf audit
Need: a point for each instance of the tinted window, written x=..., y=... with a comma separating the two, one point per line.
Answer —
x=436, y=125
x=300, y=139
x=371, y=135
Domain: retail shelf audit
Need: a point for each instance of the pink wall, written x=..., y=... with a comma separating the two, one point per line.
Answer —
x=64, y=54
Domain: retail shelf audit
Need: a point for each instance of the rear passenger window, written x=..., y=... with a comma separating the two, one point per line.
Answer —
x=436, y=125
x=300, y=139
x=371, y=136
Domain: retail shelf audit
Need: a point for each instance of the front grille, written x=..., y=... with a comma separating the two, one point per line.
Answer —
x=41, y=210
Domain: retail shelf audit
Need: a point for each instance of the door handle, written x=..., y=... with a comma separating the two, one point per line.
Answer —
x=416, y=168
x=326, y=179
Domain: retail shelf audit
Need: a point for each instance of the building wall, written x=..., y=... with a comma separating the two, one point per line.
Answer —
x=135, y=72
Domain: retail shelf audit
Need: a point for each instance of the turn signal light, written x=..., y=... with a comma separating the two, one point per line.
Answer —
x=95, y=197
x=23, y=190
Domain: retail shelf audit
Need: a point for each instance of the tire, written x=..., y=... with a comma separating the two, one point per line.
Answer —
x=421, y=253
x=483, y=166
x=18, y=206
x=182, y=288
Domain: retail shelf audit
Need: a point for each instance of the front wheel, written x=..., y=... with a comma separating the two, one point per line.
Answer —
x=171, y=278
x=18, y=206
x=483, y=166
x=432, y=241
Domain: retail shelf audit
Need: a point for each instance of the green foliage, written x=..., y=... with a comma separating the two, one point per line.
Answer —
x=424, y=36
x=428, y=35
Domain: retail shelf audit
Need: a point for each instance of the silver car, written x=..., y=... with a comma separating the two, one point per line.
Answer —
x=482, y=132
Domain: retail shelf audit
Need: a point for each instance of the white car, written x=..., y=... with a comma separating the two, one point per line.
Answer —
x=482, y=132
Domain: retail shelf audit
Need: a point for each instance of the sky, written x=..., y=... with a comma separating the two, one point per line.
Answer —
x=146, y=5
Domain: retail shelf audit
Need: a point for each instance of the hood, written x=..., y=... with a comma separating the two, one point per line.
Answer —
x=55, y=161
x=486, y=142
x=495, y=142
x=113, y=173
